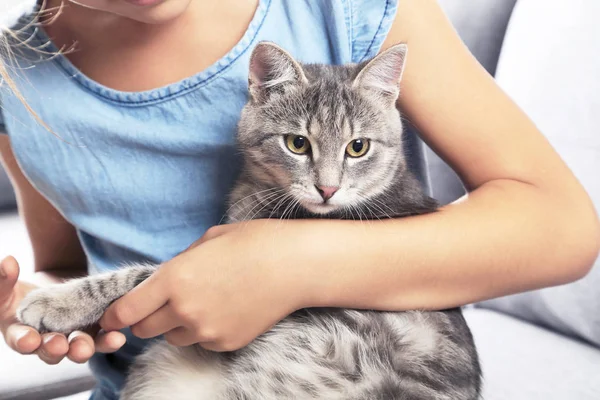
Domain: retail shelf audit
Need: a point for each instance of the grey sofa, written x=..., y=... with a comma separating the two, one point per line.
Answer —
x=539, y=345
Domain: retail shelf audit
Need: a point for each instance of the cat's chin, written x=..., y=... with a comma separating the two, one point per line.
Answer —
x=320, y=208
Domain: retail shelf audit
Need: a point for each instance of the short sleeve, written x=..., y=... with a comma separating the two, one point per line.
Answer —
x=368, y=23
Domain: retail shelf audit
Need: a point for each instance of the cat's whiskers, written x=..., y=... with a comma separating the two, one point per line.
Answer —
x=262, y=200
x=358, y=213
x=372, y=213
x=285, y=210
x=290, y=208
x=370, y=206
x=253, y=194
x=281, y=201
x=257, y=198
x=366, y=222
x=349, y=209
x=272, y=200
x=265, y=202
x=345, y=211
x=368, y=202
x=383, y=204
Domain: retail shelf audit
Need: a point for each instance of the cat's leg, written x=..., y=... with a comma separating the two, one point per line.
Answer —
x=165, y=372
x=77, y=304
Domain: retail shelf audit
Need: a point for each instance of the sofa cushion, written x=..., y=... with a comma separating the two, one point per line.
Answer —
x=549, y=65
x=521, y=361
x=78, y=396
x=481, y=25
x=7, y=195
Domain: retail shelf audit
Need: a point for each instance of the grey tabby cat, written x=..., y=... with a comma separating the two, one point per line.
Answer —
x=318, y=142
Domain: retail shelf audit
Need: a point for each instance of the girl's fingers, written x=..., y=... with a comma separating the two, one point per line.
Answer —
x=156, y=324
x=53, y=349
x=22, y=339
x=9, y=274
x=109, y=342
x=81, y=347
x=143, y=300
x=181, y=337
x=184, y=337
x=214, y=346
x=49, y=360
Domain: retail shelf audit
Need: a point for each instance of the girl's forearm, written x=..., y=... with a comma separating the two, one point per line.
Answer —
x=507, y=237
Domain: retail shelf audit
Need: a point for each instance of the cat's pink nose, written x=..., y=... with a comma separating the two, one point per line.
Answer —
x=327, y=192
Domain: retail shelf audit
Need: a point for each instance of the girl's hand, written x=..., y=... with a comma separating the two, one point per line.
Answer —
x=49, y=347
x=223, y=292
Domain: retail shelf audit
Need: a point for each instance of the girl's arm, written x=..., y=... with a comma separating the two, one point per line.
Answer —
x=56, y=248
x=58, y=255
x=527, y=222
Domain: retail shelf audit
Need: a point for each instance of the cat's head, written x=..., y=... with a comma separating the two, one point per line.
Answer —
x=330, y=136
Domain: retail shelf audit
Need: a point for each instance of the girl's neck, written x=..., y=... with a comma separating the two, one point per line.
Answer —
x=128, y=55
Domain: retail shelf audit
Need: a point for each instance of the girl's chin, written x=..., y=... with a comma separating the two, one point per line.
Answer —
x=144, y=3
x=145, y=11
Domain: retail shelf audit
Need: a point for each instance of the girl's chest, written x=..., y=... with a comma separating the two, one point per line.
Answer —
x=172, y=158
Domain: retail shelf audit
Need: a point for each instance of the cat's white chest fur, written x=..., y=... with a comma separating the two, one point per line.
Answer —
x=176, y=371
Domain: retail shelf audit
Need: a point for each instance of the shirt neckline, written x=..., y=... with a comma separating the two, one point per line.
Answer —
x=171, y=90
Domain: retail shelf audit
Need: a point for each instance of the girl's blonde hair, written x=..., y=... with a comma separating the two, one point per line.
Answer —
x=6, y=79
x=9, y=38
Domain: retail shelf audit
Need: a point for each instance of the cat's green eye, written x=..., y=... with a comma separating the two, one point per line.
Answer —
x=297, y=144
x=357, y=148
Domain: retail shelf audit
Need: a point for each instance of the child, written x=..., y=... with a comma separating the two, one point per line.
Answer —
x=146, y=107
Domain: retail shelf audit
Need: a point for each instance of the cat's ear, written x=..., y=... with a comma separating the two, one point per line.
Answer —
x=382, y=75
x=272, y=69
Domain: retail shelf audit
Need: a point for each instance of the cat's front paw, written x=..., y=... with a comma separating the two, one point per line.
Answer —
x=53, y=309
x=37, y=311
